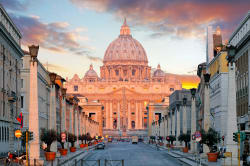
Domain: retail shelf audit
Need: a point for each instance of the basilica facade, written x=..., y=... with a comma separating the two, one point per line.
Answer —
x=125, y=87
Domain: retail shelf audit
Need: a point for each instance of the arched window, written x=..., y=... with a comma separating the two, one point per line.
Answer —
x=133, y=72
x=116, y=72
x=115, y=124
x=133, y=124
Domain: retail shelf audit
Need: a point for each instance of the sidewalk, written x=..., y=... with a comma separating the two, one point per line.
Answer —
x=188, y=158
x=70, y=158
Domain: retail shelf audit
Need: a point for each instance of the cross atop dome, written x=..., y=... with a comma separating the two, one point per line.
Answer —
x=125, y=30
x=159, y=66
x=91, y=67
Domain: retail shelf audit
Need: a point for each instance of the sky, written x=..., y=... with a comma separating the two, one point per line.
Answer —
x=72, y=34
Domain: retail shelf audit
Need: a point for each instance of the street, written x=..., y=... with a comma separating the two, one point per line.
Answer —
x=133, y=155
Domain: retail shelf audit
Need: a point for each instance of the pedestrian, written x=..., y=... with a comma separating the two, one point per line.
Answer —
x=245, y=155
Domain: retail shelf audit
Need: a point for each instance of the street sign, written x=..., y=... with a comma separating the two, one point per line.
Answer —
x=197, y=134
x=228, y=154
x=18, y=133
x=63, y=136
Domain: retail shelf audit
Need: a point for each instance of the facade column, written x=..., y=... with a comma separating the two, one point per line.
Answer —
x=111, y=115
x=52, y=112
x=169, y=124
x=34, y=112
x=184, y=119
x=107, y=115
x=129, y=116
x=136, y=116
x=231, y=122
x=173, y=122
x=178, y=128
x=76, y=125
x=63, y=113
x=140, y=115
x=193, y=121
x=71, y=110
x=118, y=120
x=206, y=108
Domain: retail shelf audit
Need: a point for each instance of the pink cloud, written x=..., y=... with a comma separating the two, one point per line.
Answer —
x=181, y=18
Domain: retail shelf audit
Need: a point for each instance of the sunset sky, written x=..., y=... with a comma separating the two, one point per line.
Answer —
x=73, y=34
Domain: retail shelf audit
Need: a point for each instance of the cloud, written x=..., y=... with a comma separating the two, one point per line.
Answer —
x=180, y=18
x=15, y=5
x=55, y=67
x=54, y=36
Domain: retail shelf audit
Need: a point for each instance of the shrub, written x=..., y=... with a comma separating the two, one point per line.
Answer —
x=210, y=138
x=185, y=138
x=72, y=139
x=48, y=137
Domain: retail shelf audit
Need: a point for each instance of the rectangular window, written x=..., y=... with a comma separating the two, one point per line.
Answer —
x=76, y=88
x=21, y=83
x=21, y=101
x=171, y=89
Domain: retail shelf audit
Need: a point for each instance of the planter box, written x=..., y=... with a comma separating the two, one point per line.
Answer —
x=212, y=157
x=185, y=150
x=50, y=156
x=63, y=152
x=72, y=149
x=81, y=145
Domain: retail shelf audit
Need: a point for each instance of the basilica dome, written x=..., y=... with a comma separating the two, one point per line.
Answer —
x=91, y=72
x=158, y=72
x=125, y=49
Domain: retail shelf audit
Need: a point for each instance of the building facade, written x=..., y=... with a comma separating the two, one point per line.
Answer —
x=241, y=40
x=10, y=81
x=218, y=70
x=125, y=86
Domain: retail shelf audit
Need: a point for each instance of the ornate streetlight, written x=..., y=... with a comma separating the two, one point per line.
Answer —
x=33, y=50
x=231, y=51
x=52, y=77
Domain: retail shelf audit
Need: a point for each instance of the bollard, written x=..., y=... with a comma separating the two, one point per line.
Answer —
x=81, y=162
x=51, y=163
x=122, y=162
x=105, y=162
x=34, y=162
x=75, y=162
x=99, y=162
x=58, y=162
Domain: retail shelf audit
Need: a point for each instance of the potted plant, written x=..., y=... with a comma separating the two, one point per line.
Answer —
x=186, y=139
x=171, y=140
x=160, y=141
x=152, y=138
x=48, y=137
x=168, y=139
x=210, y=138
x=85, y=138
x=89, y=139
x=72, y=140
x=62, y=151
x=81, y=137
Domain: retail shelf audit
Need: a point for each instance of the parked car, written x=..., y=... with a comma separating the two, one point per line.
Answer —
x=100, y=145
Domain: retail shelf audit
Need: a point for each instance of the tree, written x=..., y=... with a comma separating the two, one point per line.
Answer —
x=72, y=139
x=59, y=139
x=48, y=137
x=210, y=138
x=185, y=138
x=172, y=138
x=81, y=137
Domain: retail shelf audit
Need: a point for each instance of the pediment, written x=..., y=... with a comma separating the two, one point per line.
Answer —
x=121, y=91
